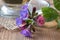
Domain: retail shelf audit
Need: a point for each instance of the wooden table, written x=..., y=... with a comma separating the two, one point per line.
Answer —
x=40, y=34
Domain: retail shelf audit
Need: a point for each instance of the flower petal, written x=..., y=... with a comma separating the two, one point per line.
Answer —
x=19, y=21
x=24, y=14
x=26, y=33
x=40, y=20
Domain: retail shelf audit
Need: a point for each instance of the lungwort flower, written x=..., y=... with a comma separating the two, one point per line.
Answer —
x=25, y=6
x=22, y=27
x=40, y=20
x=24, y=12
x=20, y=22
x=26, y=32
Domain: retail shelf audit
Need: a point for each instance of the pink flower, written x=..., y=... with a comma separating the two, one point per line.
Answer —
x=22, y=26
x=40, y=20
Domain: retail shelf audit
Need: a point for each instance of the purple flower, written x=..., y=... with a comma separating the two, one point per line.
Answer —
x=19, y=21
x=24, y=12
x=23, y=16
x=40, y=20
x=25, y=6
x=26, y=32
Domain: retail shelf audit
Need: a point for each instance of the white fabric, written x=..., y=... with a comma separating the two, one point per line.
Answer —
x=38, y=4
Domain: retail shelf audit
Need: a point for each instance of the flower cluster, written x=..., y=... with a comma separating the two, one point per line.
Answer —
x=27, y=20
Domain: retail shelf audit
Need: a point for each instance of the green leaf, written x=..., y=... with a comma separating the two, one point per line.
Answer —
x=57, y=4
x=49, y=13
x=29, y=21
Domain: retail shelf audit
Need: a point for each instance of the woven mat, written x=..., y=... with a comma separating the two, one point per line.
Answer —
x=8, y=23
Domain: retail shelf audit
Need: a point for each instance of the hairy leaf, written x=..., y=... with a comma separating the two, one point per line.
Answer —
x=57, y=4
x=49, y=13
